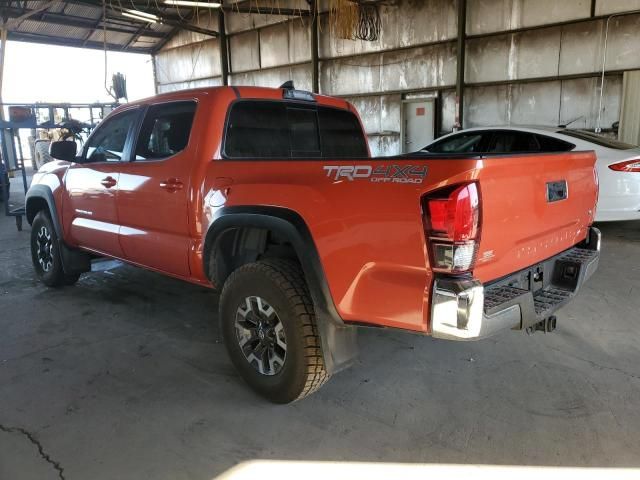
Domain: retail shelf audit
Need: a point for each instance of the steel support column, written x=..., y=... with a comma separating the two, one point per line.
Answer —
x=315, y=62
x=460, y=63
x=224, y=46
x=3, y=48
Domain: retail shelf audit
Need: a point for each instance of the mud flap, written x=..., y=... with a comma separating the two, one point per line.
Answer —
x=74, y=261
x=339, y=344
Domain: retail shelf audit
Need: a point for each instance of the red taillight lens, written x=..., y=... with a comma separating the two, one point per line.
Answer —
x=627, y=166
x=452, y=227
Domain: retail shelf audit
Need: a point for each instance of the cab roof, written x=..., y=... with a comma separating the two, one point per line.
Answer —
x=244, y=92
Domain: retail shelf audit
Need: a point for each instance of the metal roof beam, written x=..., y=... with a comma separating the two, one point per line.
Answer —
x=290, y=12
x=164, y=18
x=25, y=14
x=69, y=42
x=80, y=22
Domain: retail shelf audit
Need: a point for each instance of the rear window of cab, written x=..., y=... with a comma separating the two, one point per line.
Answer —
x=262, y=129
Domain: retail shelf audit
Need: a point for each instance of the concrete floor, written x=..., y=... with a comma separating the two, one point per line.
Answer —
x=124, y=376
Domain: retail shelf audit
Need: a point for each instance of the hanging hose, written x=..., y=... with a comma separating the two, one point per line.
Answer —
x=350, y=20
x=369, y=23
x=119, y=86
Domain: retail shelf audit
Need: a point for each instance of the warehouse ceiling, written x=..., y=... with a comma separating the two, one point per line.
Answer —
x=140, y=26
x=92, y=24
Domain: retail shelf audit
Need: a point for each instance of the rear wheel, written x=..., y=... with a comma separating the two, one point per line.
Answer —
x=268, y=325
x=45, y=253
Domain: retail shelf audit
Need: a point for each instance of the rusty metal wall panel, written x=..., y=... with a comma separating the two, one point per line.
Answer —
x=406, y=23
x=207, y=20
x=485, y=16
x=580, y=100
x=240, y=22
x=381, y=121
x=245, y=51
x=274, y=46
x=192, y=62
x=630, y=116
x=606, y=7
x=299, y=41
x=412, y=69
x=274, y=77
x=207, y=82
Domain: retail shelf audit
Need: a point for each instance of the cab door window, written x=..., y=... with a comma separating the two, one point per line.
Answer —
x=109, y=141
x=165, y=131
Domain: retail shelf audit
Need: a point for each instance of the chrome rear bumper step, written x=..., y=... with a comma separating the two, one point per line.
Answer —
x=465, y=309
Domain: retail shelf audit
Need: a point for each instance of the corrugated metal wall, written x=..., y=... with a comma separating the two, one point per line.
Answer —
x=630, y=115
x=528, y=61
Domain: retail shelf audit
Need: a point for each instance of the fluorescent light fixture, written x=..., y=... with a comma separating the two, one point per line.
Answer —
x=189, y=3
x=138, y=13
x=140, y=19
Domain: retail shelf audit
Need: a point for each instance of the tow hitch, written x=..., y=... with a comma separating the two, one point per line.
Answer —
x=547, y=325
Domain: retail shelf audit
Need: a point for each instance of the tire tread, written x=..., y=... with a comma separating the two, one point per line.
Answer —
x=288, y=276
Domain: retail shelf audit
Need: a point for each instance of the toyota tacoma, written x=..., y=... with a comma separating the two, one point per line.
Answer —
x=271, y=197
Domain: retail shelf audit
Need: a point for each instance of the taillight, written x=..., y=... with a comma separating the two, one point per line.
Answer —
x=627, y=166
x=452, y=227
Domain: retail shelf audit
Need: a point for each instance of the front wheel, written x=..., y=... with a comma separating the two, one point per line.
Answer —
x=269, y=329
x=45, y=253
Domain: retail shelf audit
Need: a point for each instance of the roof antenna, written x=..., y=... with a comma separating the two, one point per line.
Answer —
x=565, y=125
x=288, y=85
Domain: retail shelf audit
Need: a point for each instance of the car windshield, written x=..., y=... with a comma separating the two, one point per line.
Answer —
x=598, y=139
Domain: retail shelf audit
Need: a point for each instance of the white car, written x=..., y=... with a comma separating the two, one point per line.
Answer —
x=618, y=163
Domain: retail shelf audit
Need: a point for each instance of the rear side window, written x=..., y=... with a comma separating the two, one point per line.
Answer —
x=513, y=142
x=165, y=130
x=282, y=130
x=550, y=144
x=257, y=130
x=470, y=142
x=341, y=134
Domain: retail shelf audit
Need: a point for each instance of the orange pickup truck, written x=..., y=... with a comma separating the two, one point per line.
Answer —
x=271, y=197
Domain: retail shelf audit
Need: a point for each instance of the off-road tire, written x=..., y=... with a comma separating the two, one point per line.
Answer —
x=52, y=273
x=281, y=283
x=41, y=154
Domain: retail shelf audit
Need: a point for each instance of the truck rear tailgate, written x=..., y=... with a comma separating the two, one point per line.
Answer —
x=533, y=207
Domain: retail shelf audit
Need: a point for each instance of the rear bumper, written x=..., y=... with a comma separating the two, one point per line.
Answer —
x=465, y=309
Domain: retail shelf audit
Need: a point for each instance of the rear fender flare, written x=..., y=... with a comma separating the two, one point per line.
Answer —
x=339, y=341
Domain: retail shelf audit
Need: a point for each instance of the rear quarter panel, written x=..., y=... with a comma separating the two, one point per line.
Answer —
x=370, y=235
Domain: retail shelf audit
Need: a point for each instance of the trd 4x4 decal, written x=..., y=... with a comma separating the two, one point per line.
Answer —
x=378, y=174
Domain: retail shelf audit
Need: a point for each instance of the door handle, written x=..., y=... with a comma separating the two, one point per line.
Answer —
x=108, y=182
x=171, y=184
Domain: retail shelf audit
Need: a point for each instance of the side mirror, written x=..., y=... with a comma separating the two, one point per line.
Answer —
x=63, y=150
